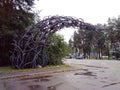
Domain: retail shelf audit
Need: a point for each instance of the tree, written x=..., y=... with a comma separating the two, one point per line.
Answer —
x=56, y=50
x=99, y=43
x=76, y=42
x=90, y=43
x=83, y=42
x=113, y=34
x=15, y=16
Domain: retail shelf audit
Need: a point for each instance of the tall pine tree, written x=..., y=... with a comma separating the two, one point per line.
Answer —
x=15, y=16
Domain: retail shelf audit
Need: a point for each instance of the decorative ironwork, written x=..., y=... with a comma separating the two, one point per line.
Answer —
x=32, y=44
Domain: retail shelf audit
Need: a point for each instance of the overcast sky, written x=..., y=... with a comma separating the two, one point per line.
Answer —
x=91, y=11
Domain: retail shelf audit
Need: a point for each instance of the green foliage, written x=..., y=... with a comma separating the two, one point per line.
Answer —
x=15, y=16
x=57, y=50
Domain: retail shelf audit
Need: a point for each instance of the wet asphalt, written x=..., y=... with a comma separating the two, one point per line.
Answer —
x=87, y=75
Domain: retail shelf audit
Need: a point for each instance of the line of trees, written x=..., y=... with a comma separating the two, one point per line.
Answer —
x=99, y=43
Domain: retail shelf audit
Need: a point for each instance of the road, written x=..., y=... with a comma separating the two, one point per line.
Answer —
x=96, y=74
x=89, y=75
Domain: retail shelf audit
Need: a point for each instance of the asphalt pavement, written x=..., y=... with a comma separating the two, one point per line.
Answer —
x=82, y=75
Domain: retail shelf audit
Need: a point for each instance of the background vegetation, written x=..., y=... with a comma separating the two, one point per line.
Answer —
x=99, y=43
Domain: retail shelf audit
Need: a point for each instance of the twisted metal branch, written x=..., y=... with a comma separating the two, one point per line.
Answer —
x=33, y=42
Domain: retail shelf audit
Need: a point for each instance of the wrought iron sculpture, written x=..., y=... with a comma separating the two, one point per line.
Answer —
x=34, y=41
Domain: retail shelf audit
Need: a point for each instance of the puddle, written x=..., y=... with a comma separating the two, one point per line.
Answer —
x=95, y=78
x=85, y=73
x=38, y=78
x=41, y=87
x=105, y=78
x=102, y=71
x=103, y=81
x=52, y=88
x=110, y=84
x=96, y=66
x=42, y=80
x=35, y=79
x=37, y=87
x=85, y=69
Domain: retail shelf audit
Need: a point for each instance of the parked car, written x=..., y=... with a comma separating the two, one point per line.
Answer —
x=116, y=55
x=79, y=57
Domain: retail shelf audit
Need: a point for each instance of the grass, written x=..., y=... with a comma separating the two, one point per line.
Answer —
x=8, y=69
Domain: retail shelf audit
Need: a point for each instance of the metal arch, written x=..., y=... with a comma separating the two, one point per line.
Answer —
x=33, y=42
